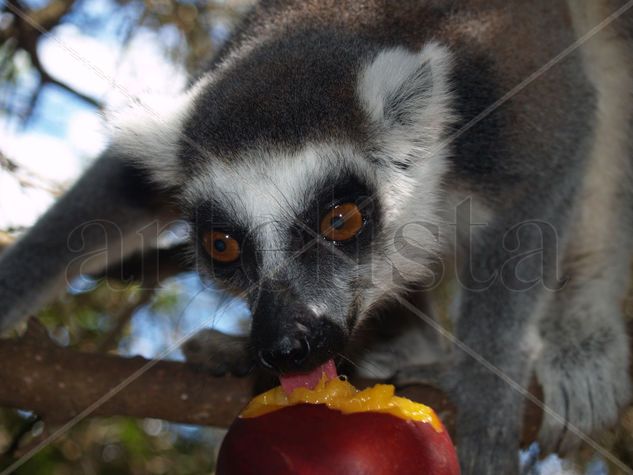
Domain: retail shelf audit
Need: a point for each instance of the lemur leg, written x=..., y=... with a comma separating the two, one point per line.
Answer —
x=583, y=368
x=100, y=220
x=584, y=365
x=397, y=338
x=506, y=269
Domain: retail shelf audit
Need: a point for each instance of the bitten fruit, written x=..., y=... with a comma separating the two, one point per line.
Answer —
x=335, y=429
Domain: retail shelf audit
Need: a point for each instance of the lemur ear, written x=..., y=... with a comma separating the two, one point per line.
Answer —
x=407, y=95
x=148, y=134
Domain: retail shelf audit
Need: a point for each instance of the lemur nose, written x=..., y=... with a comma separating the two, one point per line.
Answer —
x=286, y=355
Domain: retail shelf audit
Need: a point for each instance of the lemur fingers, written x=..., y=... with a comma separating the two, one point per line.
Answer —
x=219, y=353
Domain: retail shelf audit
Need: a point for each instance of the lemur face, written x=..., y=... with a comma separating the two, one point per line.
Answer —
x=296, y=234
x=326, y=200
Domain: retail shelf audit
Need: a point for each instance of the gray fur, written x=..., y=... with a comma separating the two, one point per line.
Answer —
x=584, y=364
x=306, y=107
x=219, y=353
x=100, y=221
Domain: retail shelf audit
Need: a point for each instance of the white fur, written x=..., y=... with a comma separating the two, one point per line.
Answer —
x=148, y=132
x=415, y=195
x=424, y=79
x=265, y=188
x=396, y=67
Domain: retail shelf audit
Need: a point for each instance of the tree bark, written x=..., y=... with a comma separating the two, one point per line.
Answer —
x=59, y=384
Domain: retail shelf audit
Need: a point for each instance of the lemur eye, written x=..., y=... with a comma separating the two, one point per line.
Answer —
x=342, y=222
x=221, y=246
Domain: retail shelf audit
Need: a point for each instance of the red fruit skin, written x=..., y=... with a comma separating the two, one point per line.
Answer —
x=310, y=439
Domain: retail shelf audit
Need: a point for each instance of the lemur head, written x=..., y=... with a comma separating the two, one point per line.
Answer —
x=311, y=177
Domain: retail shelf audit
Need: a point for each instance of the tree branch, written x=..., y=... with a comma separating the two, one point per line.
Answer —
x=45, y=18
x=27, y=178
x=50, y=15
x=48, y=79
x=59, y=383
x=30, y=25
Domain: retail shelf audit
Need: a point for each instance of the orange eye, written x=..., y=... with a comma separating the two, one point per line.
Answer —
x=221, y=247
x=342, y=222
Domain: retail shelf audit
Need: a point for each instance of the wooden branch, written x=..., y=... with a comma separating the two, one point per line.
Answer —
x=48, y=79
x=30, y=25
x=59, y=383
x=44, y=18
x=51, y=14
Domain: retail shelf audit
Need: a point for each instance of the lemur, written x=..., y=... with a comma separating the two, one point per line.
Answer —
x=338, y=152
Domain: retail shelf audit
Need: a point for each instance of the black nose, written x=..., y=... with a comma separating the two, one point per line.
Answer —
x=286, y=355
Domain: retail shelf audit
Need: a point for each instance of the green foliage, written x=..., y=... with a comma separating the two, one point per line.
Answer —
x=116, y=445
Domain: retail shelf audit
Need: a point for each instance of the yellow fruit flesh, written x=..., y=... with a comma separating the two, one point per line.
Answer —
x=340, y=395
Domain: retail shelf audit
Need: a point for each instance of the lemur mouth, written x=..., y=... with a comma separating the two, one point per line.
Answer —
x=291, y=381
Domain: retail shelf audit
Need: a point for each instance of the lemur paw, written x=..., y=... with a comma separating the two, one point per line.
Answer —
x=219, y=353
x=583, y=390
x=488, y=421
x=487, y=436
x=476, y=458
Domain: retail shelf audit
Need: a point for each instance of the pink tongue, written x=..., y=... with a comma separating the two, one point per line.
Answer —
x=291, y=381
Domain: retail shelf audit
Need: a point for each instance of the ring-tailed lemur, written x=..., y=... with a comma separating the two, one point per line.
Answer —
x=335, y=153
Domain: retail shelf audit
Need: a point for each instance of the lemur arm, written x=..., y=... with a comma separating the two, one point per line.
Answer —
x=507, y=275
x=97, y=222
